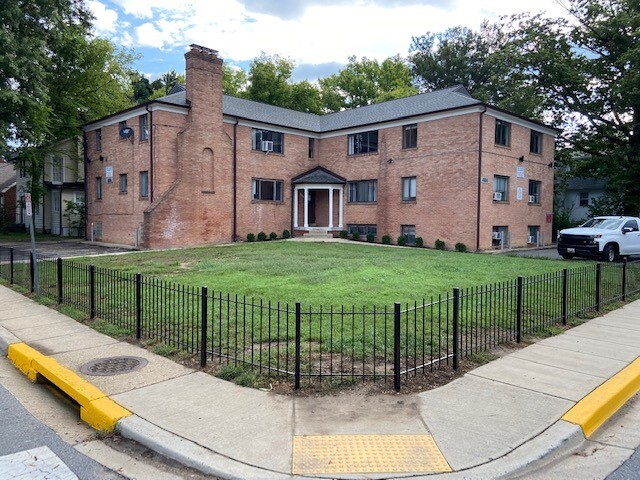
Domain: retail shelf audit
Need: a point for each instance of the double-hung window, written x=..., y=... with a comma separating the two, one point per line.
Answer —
x=503, y=133
x=56, y=169
x=408, y=189
x=534, y=191
x=364, y=142
x=410, y=136
x=500, y=188
x=409, y=233
x=144, y=184
x=144, y=126
x=584, y=199
x=267, y=190
x=363, y=191
x=267, y=141
x=535, y=144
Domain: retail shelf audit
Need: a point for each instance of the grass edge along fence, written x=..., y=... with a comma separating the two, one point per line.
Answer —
x=325, y=343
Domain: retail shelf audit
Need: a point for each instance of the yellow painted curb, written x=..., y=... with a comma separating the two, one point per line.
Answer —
x=597, y=407
x=96, y=408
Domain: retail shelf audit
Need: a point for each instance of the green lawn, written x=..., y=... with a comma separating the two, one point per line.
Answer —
x=327, y=273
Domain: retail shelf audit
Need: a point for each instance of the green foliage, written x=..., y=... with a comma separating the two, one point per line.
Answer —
x=165, y=350
x=273, y=236
x=343, y=234
x=439, y=244
x=460, y=247
x=286, y=234
x=419, y=242
x=366, y=81
x=234, y=80
x=609, y=204
x=262, y=236
x=110, y=329
x=402, y=240
x=355, y=235
x=251, y=237
x=238, y=375
x=386, y=239
x=75, y=213
x=370, y=237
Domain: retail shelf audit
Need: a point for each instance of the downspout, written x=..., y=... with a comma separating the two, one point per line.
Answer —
x=85, y=158
x=151, y=178
x=484, y=110
x=235, y=181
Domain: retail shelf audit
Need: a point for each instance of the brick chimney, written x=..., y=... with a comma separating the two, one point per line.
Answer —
x=204, y=81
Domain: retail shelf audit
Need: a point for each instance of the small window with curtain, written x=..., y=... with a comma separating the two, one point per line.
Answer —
x=144, y=184
x=410, y=136
x=408, y=189
x=535, y=145
x=500, y=188
x=363, y=191
x=144, y=127
x=123, y=183
x=98, y=188
x=503, y=133
x=534, y=191
x=98, y=140
x=409, y=233
x=267, y=190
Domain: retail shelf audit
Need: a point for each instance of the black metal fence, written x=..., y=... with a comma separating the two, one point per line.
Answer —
x=315, y=344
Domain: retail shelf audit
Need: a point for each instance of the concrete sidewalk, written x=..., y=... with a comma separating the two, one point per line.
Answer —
x=494, y=421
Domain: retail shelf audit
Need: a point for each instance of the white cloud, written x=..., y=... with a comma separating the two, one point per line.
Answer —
x=147, y=35
x=105, y=18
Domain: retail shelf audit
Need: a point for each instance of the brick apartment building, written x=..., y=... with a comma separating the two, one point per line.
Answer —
x=198, y=167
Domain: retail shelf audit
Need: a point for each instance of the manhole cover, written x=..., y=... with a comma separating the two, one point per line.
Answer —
x=113, y=365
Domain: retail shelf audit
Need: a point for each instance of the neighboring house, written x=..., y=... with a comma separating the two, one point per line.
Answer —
x=579, y=194
x=7, y=193
x=199, y=167
x=63, y=180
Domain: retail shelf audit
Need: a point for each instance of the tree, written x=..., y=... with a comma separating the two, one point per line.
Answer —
x=366, y=81
x=484, y=62
x=141, y=87
x=588, y=68
x=54, y=77
x=234, y=81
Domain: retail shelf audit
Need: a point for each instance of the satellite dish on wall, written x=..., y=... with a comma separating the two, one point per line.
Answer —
x=126, y=132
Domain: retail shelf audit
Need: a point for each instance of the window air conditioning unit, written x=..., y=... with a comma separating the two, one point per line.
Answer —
x=497, y=196
x=532, y=199
x=266, y=146
x=531, y=239
x=497, y=236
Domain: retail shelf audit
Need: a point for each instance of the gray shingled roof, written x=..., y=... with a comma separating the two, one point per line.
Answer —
x=318, y=175
x=445, y=99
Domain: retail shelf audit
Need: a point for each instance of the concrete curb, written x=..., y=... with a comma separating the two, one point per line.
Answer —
x=189, y=453
x=7, y=338
x=603, y=402
x=96, y=408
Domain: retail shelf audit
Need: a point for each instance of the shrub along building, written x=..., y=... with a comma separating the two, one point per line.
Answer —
x=198, y=167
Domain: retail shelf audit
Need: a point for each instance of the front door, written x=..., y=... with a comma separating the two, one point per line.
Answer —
x=312, y=208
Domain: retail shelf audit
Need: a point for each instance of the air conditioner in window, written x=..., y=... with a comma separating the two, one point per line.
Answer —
x=497, y=236
x=532, y=199
x=531, y=239
x=497, y=196
x=266, y=146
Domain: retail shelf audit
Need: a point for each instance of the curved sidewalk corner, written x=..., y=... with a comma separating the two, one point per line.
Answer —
x=495, y=421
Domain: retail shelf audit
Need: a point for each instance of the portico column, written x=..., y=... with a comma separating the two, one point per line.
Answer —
x=296, y=197
x=306, y=207
x=340, y=208
x=330, y=207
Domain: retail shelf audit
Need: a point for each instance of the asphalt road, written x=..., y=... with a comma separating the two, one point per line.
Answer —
x=66, y=248
x=629, y=470
x=29, y=449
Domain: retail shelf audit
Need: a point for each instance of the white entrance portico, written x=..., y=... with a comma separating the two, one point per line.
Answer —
x=318, y=200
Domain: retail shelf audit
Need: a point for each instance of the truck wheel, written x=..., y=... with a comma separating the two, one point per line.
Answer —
x=609, y=253
x=567, y=256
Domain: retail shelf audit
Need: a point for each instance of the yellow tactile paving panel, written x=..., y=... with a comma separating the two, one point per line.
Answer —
x=318, y=454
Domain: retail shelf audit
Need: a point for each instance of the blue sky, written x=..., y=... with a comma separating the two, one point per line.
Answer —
x=319, y=35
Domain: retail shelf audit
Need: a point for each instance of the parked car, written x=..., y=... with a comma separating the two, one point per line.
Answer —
x=606, y=238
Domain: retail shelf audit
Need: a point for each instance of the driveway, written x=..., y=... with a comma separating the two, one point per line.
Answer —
x=67, y=248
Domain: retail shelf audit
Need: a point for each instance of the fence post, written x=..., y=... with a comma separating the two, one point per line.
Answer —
x=519, y=300
x=203, y=332
x=59, y=266
x=624, y=279
x=92, y=291
x=138, y=306
x=11, y=266
x=396, y=346
x=456, y=322
x=31, y=273
x=564, y=295
x=598, y=283
x=297, y=359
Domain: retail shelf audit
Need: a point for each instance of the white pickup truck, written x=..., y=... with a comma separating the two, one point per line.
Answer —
x=606, y=238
